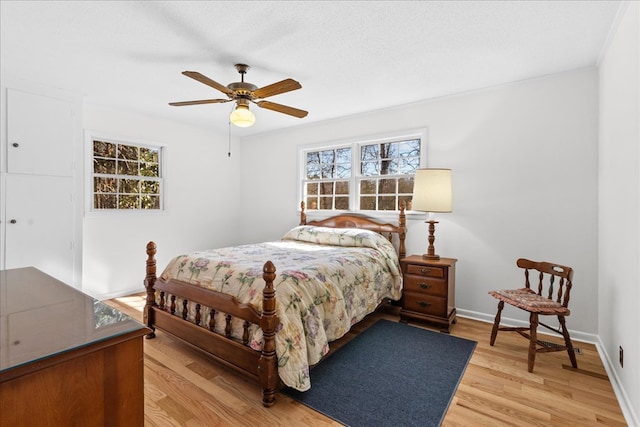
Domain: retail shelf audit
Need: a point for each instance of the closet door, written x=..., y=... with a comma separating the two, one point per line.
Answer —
x=39, y=224
x=40, y=214
x=40, y=134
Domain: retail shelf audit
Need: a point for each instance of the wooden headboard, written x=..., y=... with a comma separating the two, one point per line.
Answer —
x=364, y=222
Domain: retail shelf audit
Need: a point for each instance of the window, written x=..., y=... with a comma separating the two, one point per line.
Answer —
x=126, y=176
x=371, y=175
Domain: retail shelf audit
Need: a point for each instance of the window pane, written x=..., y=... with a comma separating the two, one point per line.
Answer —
x=327, y=170
x=389, y=150
x=368, y=186
x=104, y=149
x=342, y=187
x=149, y=155
x=326, y=202
x=105, y=201
x=408, y=165
x=149, y=169
x=367, y=203
x=388, y=167
x=386, y=203
x=127, y=168
x=326, y=188
x=104, y=185
x=409, y=148
x=128, y=201
x=312, y=188
x=342, y=203
x=343, y=170
x=150, y=202
x=313, y=165
x=407, y=202
x=129, y=186
x=313, y=171
x=312, y=203
x=127, y=152
x=387, y=186
x=150, y=187
x=369, y=152
x=104, y=166
x=370, y=168
x=405, y=185
x=328, y=157
x=343, y=155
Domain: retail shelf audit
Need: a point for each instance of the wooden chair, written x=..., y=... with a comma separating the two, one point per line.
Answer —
x=539, y=303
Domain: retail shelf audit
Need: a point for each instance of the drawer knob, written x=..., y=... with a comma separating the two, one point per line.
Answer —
x=425, y=285
x=425, y=270
x=424, y=304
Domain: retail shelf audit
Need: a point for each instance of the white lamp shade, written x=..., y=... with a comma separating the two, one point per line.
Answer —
x=242, y=117
x=432, y=190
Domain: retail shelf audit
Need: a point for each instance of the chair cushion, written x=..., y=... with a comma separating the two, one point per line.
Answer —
x=528, y=300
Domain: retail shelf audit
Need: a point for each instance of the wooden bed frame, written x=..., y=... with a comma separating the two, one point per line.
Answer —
x=233, y=353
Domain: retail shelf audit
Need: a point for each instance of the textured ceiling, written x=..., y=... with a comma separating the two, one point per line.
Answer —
x=350, y=57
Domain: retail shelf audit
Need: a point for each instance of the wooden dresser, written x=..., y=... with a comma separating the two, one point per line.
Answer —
x=66, y=358
x=429, y=291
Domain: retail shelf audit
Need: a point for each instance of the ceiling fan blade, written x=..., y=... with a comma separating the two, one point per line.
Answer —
x=282, y=109
x=283, y=86
x=202, y=101
x=206, y=80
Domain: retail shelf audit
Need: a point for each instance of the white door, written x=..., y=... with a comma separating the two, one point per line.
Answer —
x=39, y=228
x=40, y=134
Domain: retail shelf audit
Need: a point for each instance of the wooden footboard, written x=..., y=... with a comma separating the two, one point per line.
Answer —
x=163, y=309
x=165, y=315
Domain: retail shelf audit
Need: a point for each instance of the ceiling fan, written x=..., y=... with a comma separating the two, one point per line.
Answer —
x=244, y=92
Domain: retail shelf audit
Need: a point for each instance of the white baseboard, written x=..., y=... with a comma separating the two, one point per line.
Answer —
x=506, y=321
x=623, y=399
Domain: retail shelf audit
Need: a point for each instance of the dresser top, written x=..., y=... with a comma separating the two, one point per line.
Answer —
x=41, y=317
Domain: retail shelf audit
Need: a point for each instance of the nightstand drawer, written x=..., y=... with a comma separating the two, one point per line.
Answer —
x=425, y=286
x=426, y=304
x=426, y=271
x=428, y=292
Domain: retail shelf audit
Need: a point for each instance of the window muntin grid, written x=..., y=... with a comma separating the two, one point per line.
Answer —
x=126, y=176
x=378, y=178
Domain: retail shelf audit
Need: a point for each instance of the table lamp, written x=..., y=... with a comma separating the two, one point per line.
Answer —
x=432, y=193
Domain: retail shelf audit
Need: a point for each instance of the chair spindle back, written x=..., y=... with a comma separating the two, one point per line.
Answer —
x=550, y=272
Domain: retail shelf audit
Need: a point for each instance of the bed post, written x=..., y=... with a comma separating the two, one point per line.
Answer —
x=149, y=283
x=402, y=223
x=303, y=216
x=268, y=363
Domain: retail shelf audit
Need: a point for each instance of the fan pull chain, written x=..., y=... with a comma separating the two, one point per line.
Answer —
x=229, y=152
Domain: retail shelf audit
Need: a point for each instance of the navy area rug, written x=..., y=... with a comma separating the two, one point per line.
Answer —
x=391, y=374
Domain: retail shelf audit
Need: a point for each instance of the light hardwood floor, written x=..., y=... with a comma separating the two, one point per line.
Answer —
x=184, y=388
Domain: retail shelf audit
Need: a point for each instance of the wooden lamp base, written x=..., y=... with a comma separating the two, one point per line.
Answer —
x=431, y=250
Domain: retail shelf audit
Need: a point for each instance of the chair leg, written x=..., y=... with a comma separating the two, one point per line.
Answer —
x=496, y=324
x=567, y=342
x=533, y=339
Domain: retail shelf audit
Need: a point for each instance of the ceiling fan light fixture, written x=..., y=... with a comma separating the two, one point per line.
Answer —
x=242, y=117
x=243, y=93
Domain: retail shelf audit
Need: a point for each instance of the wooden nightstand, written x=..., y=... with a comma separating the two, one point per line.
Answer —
x=429, y=290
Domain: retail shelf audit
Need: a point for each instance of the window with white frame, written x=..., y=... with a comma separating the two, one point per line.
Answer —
x=372, y=174
x=126, y=176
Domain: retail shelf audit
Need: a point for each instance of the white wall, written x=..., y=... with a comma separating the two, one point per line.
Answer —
x=524, y=160
x=619, y=266
x=202, y=190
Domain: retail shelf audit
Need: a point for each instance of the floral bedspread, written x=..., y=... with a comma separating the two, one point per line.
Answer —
x=327, y=280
